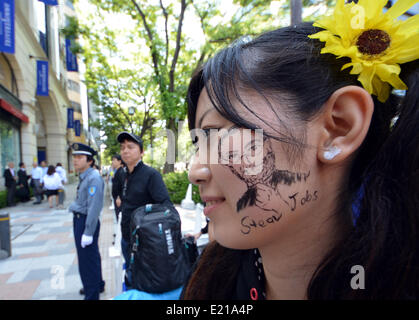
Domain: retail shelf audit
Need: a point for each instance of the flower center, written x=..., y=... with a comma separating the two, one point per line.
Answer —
x=373, y=42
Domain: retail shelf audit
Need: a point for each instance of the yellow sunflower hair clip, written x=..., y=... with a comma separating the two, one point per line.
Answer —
x=376, y=41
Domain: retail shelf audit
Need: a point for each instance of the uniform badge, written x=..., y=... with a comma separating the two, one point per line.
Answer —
x=92, y=191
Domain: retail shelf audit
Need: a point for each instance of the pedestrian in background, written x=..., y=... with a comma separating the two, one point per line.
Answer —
x=61, y=171
x=23, y=192
x=44, y=168
x=86, y=210
x=10, y=179
x=36, y=184
x=52, y=183
x=63, y=175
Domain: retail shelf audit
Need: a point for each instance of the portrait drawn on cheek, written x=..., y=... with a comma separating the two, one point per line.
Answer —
x=262, y=179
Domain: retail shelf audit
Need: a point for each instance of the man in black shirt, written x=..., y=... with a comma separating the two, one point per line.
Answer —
x=143, y=185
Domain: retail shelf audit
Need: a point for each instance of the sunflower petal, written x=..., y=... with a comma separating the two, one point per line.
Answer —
x=410, y=25
x=338, y=50
x=322, y=35
x=408, y=50
x=366, y=77
x=373, y=8
x=356, y=67
x=347, y=65
x=381, y=89
x=390, y=74
x=400, y=7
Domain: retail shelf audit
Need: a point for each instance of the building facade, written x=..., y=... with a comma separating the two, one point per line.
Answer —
x=34, y=127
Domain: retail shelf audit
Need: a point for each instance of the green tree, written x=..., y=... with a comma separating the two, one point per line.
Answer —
x=163, y=48
x=114, y=90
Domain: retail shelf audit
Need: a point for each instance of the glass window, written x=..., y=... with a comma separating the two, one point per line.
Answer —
x=9, y=145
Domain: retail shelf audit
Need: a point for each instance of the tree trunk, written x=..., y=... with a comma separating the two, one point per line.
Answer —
x=296, y=11
x=171, y=146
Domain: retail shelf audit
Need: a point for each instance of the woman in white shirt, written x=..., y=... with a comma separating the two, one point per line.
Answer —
x=52, y=183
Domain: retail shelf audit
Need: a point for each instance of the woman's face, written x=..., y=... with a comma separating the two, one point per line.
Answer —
x=253, y=193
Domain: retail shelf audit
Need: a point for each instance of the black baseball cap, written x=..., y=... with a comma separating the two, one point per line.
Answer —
x=125, y=135
x=80, y=148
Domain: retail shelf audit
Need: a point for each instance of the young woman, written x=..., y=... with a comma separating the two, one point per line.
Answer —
x=331, y=209
x=52, y=183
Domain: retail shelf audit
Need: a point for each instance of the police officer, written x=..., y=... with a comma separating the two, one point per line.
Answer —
x=86, y=210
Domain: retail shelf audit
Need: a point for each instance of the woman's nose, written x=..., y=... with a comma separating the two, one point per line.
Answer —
x=199, y=173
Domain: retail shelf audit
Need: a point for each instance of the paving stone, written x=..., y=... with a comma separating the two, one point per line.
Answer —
x=38, y=274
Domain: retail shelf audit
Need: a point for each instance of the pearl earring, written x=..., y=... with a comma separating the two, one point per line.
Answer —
x=332, y=152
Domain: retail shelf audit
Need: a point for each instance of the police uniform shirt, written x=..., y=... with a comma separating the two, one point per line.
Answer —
x=89, y=199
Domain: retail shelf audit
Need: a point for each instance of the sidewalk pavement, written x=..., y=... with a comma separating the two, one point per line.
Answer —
x=43, y=265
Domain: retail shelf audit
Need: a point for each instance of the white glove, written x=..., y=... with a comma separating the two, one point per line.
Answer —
x=86, y=240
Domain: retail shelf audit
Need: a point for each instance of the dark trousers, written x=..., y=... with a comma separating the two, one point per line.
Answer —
x=90, y=268
x=126, y=253
x=11, y=191
x=117, y=210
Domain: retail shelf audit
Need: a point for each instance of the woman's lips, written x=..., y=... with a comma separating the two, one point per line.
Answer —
x=212, y=204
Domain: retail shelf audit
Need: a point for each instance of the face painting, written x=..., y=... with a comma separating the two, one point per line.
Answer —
x=263, y=186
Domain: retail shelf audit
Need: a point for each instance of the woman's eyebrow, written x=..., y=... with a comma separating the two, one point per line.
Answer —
x=203, y=116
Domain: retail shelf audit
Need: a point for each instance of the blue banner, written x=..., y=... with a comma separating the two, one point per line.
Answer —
x=70, y=118
x=42, y=78
x=77, y=127
x=50, y=2
x=71, y=58
x=7, y=26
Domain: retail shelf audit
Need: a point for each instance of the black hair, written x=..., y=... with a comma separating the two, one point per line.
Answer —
x=58, y=164
x=117, y=157
x=285, y=64
x=21, y=164
x=51, y=170
x=90, y=158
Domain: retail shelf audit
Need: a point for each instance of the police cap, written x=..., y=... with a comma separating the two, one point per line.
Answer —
x=80, y=148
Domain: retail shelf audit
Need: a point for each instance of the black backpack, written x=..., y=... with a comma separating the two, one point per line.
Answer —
x=158, y=261
x=191, y=250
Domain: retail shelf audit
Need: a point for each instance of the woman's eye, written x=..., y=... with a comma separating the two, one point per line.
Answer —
x=207, y=131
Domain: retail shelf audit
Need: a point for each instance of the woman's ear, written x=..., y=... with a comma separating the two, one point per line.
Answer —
x=344, y=123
